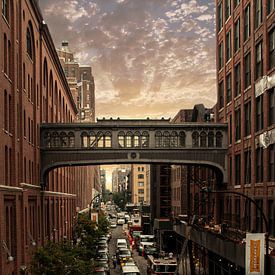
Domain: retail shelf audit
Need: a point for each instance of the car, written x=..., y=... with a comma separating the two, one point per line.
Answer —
x=113, y=224
x=120, y=221
x=150, y=250
x=123, y=254
x=130, y=270
x=121, y=243
x=102, y=258
x=102, y=250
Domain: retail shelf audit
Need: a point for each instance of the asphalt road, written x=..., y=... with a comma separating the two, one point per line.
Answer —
x=118, y=233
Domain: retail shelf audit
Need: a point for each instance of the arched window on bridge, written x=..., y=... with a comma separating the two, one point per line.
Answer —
x=203, y=139
x=166, y=139
x=71, y=139
x=129, y=140
x=92, y=139
x=218, y=139
x=158, y=139
x=47, y=138
x=145, y=139
x=121, y=139
x=136, y=139
x=182, y=139
x=108, y=139
x=55, y=139
x=210, y=139
x=84, y=139
x=100, y=139
x=195, y=139
x=174, y=139
x=63, y=139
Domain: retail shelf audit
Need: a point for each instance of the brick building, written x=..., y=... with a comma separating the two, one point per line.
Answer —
x=33, y=89
x=245, y=33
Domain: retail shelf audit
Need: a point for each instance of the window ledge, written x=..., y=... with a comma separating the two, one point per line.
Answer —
x=247, y=185
x=247, y=137
x=247, y=88
x=238, y=141
x=5, y=19
x=238, y=186
x=258, y=184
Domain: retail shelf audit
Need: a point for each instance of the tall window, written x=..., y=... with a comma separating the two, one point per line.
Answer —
x=221, y=95
x=247, y=22
x=271, y=107
x=220, y=55
x=247, y=114
x=228, y=46
x=258, y=13
x=259, y=216
x=238, y=124
x=259, y=164
x=237, y=79
x=271, y=48
x=271, y=161
x=29, y=42
x=259, y=113
x=5, y=9
x=220, y=16
x=271, y=217
x=247, y=163
x=237, y=35
x=259, y=61
x=5, y=54
x=236, y=3
x=6, y=111
x=270, y=6
x=247, y=72
x=227, y=8
x=228, y=88
x=238, y=169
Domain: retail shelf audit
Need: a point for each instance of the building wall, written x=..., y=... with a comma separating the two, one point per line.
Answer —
x=246, y=103
x=33, y=89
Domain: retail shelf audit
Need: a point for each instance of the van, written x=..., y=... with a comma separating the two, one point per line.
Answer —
x=130, y=270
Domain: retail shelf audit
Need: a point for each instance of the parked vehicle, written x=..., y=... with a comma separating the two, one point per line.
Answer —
x=161, y=266
x=130, y=270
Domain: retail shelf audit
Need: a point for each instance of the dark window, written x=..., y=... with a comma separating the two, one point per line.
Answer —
x=227, y=8
x=270, y=6
x=228, y=46
x=271, y=37
x=247, y=163
x=271, y=217
x=237, y=35
x=6, y=111
x=238, y=212
x=259, y=216
x=5, y=54
x=259, y=113
x=211, y=139
x=237, y=124
x=29, y=43
x=259, y=164
x=237, y=169
x=220, y=55
x=195, y=139
x=203, y=139
x=230, y=129
x=140, y=176
x=220, y=16
x=247, y=22
x=271, y=162
x=237, y=79
x=228, y=88
x=140, y=191
x=236, y=3
x=247, y=215
x=219, y=139
x=247, y=72
x=271, y=107
x=258, y=13
x=247, y=114
x=221, y=94
x=5, y=9
x=259, y=60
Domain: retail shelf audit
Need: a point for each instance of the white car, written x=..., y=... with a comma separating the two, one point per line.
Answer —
x=120, y=221
x=113, y=225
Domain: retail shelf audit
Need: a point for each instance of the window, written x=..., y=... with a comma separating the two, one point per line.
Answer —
x=220, y=16
x=228, y=88
x=220, y=55
x=195, y=139
x=259, y=164
x=121, y=139
x=140, y=191
x=203, y=139
x=227, y=9
x=247, y=115
x=238, y=212
x=237, y=35
x=259, y=113
x=228, y=46
x=236, y=3
x=259, y=216
x=219, y=139
x=29, y=43
x=237, y=79
x=230, y=129
x=247, y=163
x=271, y=48
x=210, y=139
x=247, y=72
x=237, y=169
x=271, y=107
x=271, y=217
x=140, y=184
x=140, y=176
x=5, y=9
x=270, y=6
x=221, y=95
x=247, y=22
x=238, y=124
x=271, y=163
x=259, y=61
x=6, y=111
x=5, y=54
x=258, y=13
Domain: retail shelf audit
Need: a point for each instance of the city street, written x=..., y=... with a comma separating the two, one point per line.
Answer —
x=140, y=261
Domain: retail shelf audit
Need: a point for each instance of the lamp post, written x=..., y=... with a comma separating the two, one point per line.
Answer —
x=209, y=190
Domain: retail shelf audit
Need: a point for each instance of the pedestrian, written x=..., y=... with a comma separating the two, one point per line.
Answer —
x=114, y=261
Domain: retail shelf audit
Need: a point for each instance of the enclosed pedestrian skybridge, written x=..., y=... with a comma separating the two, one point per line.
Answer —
x=117, y=141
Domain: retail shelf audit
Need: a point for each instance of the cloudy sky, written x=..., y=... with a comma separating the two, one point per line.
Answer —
x=150, y=58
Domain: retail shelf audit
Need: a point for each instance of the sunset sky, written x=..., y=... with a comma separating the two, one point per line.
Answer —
x=150, y=58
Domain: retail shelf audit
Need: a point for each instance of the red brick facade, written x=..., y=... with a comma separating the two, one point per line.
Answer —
x=33, y=89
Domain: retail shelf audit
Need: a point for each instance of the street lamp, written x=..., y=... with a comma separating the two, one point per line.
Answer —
x=209, y=190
